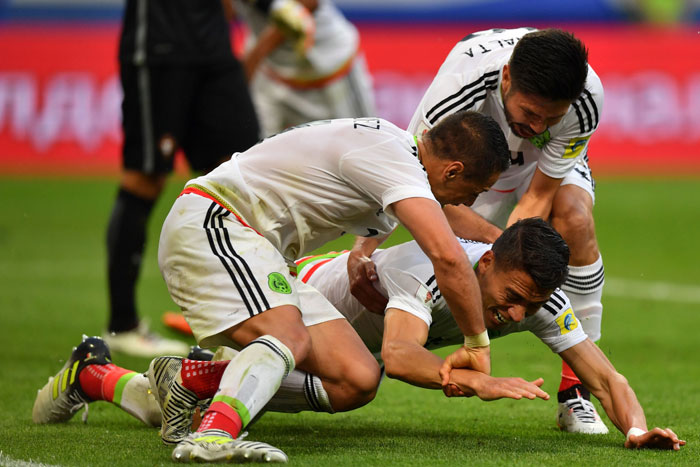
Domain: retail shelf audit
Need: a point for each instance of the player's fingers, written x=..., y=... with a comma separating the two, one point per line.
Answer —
x=445, y=371
x=538, y=382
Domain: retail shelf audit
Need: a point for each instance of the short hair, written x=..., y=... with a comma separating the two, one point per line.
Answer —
x=533, y=246
x=550, y=63
x=474, y=139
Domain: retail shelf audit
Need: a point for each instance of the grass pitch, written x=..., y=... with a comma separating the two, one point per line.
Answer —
x=53, y=289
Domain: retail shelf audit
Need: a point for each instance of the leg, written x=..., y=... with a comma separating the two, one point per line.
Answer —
x=572, y=216
x=88, y=376
x=151, y=125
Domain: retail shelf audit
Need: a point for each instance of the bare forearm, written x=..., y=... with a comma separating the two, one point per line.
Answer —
x=621, y=404
x=467, y=224
x=412, y=364
x=459, y=286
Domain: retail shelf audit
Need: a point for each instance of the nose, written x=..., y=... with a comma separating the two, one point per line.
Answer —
x=516, y=313
x=538, y=126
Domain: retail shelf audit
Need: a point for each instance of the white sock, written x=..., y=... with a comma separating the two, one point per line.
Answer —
x=254, y=376
x=138, y=401
x=584, y=287
x=300, y=391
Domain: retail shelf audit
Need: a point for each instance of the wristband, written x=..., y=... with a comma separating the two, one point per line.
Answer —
x=479, y=340
x=634, y=431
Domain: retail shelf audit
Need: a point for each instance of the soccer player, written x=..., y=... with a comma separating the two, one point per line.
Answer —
x=547, y=99
x=304, y=63
x=226, y=246
x=518, y=278
x=183, y=89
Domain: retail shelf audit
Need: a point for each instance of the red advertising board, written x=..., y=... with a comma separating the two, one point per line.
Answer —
x=60, y=98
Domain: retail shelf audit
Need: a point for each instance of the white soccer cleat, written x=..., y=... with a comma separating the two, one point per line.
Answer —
x=218, y=446
x=61, y=397
x=579, y=415
x=142, y=342
x=177, y=403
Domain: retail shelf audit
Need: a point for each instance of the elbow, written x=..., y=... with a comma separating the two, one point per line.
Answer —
x=392, y=360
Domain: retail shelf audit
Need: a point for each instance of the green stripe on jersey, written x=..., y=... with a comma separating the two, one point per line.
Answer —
x=313, y=259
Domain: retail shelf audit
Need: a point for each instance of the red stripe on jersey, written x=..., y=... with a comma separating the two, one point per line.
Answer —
x=313, y=269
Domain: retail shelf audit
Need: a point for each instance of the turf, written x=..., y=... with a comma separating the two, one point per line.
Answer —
x=53, y=289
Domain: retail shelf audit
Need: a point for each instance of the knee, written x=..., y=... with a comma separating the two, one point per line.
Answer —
x=573, y=219
x=361, y=383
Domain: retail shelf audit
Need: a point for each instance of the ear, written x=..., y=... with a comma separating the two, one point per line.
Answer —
x=453, y=170
x=487, y=261
x=505, y=79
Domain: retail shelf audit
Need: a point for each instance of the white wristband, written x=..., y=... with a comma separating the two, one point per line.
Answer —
x=634, y=431
x=479, y=340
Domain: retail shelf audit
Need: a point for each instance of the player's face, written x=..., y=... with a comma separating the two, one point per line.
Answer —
x=460, y=190
x=529, y=115
x=509, y=296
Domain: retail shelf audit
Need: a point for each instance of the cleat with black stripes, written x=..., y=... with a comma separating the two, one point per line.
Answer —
x=218, y=446
x=62, y=396
x=177, y=403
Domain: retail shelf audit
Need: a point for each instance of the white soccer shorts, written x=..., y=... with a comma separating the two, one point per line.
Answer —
x=221, y=272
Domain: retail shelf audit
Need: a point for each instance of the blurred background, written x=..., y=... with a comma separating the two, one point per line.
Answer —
x=60, y=94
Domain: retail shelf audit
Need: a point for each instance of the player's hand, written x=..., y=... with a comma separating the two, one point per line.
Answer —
x=655, y=439
x=490, y=388
x=362, y=273
x=475, y=358
x=296, y=21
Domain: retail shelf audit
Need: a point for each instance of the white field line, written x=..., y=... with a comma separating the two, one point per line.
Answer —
x=7, y=461
x=652, y=290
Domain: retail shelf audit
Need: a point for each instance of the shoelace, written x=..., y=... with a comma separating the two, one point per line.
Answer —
x=582, y=409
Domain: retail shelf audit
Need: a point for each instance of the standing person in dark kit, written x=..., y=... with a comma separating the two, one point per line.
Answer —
x=183, y=89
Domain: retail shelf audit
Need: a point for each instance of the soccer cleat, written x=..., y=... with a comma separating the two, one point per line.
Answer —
x=198, y=353
x=62, y=396
x=579, y=415
x=218, y=446
x=177, y=403
x=142, y=342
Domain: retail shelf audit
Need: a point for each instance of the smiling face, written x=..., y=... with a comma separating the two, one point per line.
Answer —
x=529, y=115
x=507, y=295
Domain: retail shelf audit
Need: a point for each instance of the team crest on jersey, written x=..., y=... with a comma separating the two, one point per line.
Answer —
x=567, y=321
x=424, y=295
x=540, y=140
x=278, y=283
x=575, y=146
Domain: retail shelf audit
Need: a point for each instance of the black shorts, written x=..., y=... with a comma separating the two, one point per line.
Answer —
x=204, y=109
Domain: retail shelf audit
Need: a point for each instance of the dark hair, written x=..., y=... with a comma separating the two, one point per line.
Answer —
x=550, y=63
x=533, y=246
x=474, y=139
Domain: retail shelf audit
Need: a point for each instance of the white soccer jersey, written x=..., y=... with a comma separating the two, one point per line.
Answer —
x=311, y=184
x=470, y=79
x=407, y=278
x=336, y=41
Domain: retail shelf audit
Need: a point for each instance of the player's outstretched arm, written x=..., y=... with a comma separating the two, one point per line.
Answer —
x=467, y=224
x=537, y=199
x=453, y=272
x=617, y=397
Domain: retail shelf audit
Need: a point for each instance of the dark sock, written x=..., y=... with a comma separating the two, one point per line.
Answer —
x=570, y=393
x=126, y=238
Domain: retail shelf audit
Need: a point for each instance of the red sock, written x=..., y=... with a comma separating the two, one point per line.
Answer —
x=568, y=377
x=221, y=416
x=98, y=381
x=202, y=378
